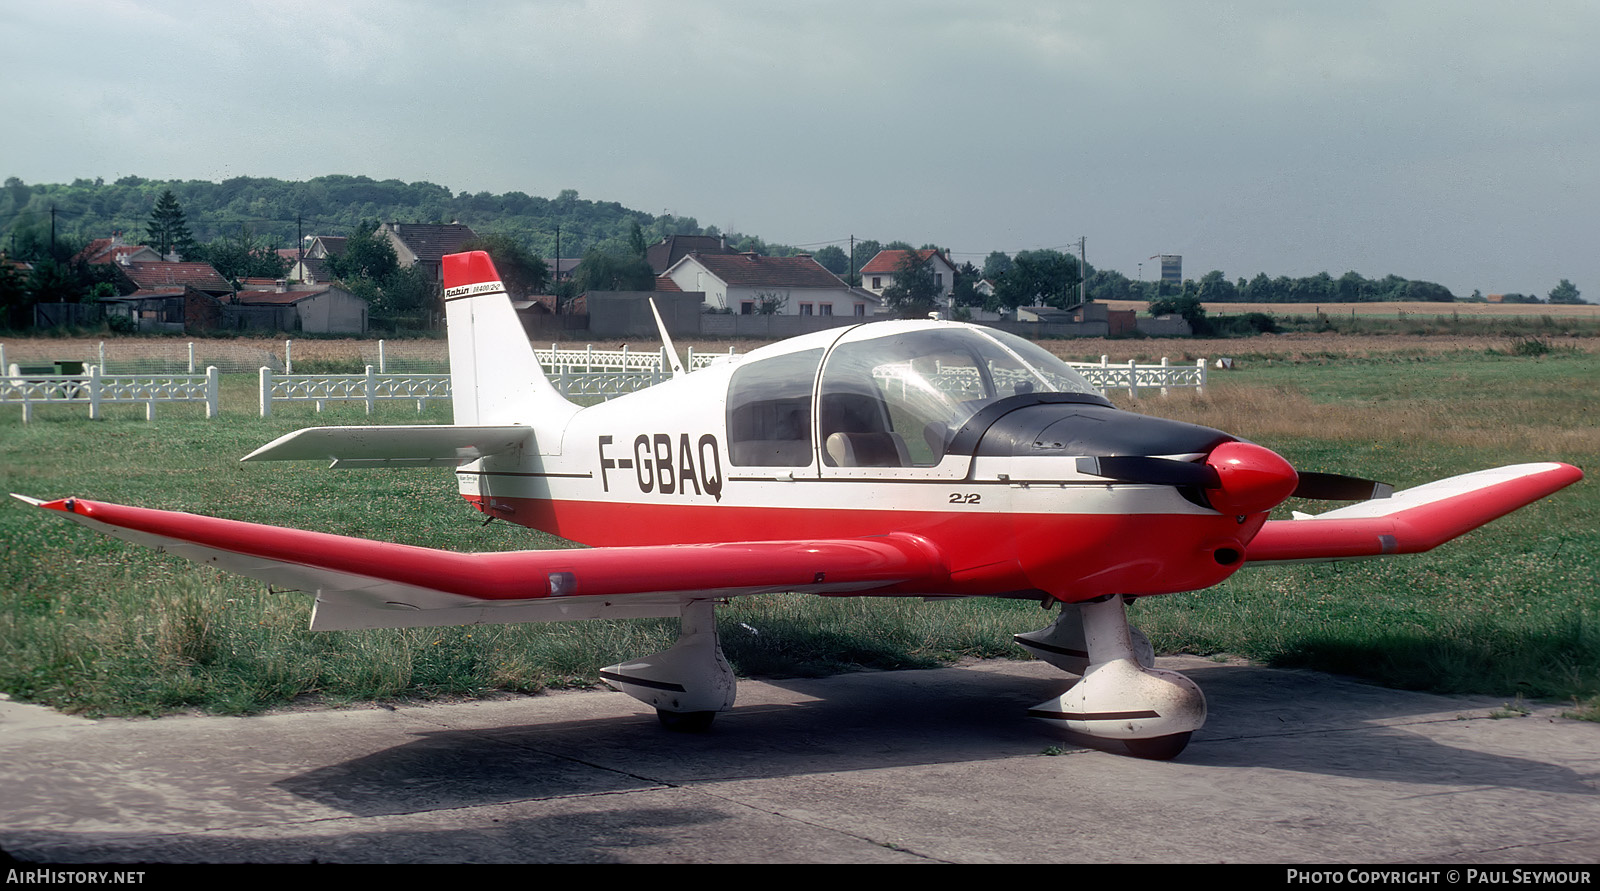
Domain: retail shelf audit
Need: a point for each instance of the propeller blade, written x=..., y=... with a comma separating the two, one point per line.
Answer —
x=1155, y=471
x=1338, y=487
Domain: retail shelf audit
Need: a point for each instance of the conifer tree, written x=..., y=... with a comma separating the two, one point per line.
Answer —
x=167, y=230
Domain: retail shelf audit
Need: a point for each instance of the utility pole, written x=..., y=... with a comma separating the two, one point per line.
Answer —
x=1083, y=271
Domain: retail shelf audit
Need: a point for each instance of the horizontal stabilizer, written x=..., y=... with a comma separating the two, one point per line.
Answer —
x=394, y=446
x=1410, y=521
x=372, y=584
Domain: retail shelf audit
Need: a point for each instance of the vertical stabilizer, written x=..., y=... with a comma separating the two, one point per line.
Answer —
x=494, y=376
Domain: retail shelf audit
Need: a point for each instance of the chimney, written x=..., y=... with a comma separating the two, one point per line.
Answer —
x=282, y=285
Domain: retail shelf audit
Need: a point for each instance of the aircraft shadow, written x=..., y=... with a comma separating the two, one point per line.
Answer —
x=1260, y=718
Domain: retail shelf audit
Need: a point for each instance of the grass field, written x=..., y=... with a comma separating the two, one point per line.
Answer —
x=90, y=624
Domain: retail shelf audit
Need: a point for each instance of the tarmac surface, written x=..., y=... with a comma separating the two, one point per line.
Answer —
x=883, y=767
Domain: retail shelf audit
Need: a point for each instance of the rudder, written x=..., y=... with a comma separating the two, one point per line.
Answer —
x=494, y=376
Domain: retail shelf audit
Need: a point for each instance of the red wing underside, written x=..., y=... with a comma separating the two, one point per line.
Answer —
x=370, y=584
x=1411, y=521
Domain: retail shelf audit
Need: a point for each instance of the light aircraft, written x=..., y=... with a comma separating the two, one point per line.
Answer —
x=898, y=458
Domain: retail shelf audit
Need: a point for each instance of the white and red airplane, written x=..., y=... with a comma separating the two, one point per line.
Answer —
x=926, y=459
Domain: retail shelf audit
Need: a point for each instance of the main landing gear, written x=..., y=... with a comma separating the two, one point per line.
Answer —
x=1120, y=696
x=687, y=684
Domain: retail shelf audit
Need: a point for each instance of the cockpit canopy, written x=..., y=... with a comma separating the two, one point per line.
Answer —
x=888, y=395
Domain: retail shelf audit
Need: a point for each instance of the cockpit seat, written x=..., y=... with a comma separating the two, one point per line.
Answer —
x=867, y=450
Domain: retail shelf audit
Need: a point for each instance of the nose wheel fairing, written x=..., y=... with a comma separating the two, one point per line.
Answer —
x=1119, y=697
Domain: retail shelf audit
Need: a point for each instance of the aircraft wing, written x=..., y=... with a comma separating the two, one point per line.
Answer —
x=1410, y=521
x=369, y=584
x=424, y=445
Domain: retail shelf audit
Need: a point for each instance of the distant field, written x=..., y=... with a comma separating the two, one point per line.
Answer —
x=1393, y=310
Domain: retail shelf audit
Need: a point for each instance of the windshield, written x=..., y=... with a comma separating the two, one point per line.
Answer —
x=897, y=400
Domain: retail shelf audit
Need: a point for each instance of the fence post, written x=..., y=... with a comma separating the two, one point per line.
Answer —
x=191, y=357
x=94, y=393
x=1201, y=387
x=1164, y=373
x=266, y=392
x=372, y=389
x=383, y=366
x=288, y=357
x=1133, y=378
x=213, y=392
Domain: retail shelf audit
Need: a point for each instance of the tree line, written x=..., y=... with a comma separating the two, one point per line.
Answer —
x=237, y=225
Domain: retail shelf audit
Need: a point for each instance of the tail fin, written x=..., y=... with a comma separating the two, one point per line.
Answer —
x=494, y=376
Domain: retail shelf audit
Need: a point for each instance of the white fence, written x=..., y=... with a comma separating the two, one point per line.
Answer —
x=370, y=388
x=1134, y=377
x=94, y=390
x=586, y=372
x=607, y=373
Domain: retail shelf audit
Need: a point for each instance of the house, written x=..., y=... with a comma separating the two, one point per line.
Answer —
x=562, y=269
x=323, y=309
x=662, y=255
x=880, y=271
x=107, y=251
x=750, y=284
x=133, y=276
x=425, y=244
x=313, y=266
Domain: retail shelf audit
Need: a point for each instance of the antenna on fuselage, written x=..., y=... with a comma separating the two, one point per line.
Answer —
x=666, y=340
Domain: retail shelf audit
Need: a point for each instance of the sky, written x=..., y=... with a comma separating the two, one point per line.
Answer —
x=1454, y=142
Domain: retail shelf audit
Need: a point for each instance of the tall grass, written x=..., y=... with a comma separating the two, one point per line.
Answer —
x=90, y=624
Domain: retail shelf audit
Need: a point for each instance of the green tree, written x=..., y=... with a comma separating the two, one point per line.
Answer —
x=996, y=265
x=771, y=302
x=603, y=271
x=167, y=229
x=523, y=272
x=1215, y=288
x=1186, y=305
x=53, y=281
x=14, y=297
x=964, y=292
x=1039, y=278
x=241, y=256
x=1565, y=292
x=914, y=293
x=366, y=255
x=834, y=259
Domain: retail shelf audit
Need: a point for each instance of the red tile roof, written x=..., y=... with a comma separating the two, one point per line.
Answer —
x=888, y=262
x=104, y=250
x=199, y=276
x=752, y=270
